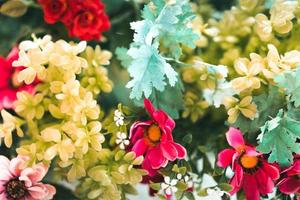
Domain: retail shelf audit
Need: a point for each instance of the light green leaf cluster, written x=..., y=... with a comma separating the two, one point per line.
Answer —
x=112, y=175
x=279, y=138
x=165, y=24
x=291, y=83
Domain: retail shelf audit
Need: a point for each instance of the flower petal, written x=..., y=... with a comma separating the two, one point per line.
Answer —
x=235, y=138
x=264, y=182
x=149, y=107
x=140, y=147
x=168, y=150
x=250, y=187
x=156, y=158
x=289, y=185
x=225, y=158
x=181, y=151
x=271, y=170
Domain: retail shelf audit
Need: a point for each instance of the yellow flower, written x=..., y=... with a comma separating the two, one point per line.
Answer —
x=282, y=13
x=97, y=57
x=235, y=107
x=65, y=56
x=90, y=136
x=85, y=109
x=10, y=123
x=30, y=106
x=263, y=27
x=60, y=145
x=77, y=169
x=248, y=72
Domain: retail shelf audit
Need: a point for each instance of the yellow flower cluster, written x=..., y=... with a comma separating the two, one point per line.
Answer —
x=63, y=117
x=247, y=39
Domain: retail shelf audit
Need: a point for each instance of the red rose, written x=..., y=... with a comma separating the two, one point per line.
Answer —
x=88, y=19
x=54, y=10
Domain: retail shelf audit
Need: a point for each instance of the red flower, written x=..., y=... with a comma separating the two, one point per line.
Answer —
x=9, y=85
x=154, y=140
x=54, y=10
x=88, y=19
x=251, y=171
x=291, y=183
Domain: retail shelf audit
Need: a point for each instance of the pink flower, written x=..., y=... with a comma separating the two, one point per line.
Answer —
x=9, y=85
x=154, y=140
x=251, y=171
x=19, y=183
x=291, y=183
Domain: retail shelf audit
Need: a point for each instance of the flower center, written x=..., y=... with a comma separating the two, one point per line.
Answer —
x=249, y=162
x=153, y=133
x=15, y=189
x=56, y=6
x=86, y=19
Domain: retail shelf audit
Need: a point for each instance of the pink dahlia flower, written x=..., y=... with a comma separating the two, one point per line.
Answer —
x=153, y=139
x=251, y=172
x=20, y=183
x=9, y=84
x=291, y=183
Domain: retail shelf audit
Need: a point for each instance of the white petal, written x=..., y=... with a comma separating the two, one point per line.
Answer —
x=167, y=180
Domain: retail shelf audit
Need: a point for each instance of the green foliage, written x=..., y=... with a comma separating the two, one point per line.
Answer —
x=291, y=83
x=279, y=137
x=268, y=105
x=149, y=68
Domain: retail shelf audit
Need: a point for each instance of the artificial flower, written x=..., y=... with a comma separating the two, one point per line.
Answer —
x=10, y=123
x=235, y=106
x=263, y=27
x=154, y=140
x=290, y=184
x=169, y=186
x=282, y=13
x=87, y=20
x=19, y=183
x=9, y=83
x=54, y=10
x=217, y=96
x=248, y=72
x=122, y=140
x=251, y=171
x=119, y=118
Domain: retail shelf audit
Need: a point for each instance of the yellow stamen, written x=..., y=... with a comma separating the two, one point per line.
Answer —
x=154, y=133
x=249, y=162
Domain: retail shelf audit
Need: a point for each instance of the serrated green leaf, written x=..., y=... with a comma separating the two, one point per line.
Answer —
x=121, y=53
x=279, y=138
x=291, y=83
x=148, y=70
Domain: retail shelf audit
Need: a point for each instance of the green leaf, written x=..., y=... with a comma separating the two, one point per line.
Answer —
x=148, y=70
x=155, y=186
x=13, y=8
x=279, y=138
x=268, y=105
x=165, y=23
x=225, y=187
x=291, y=83
x=202, y=192
x=121, y=53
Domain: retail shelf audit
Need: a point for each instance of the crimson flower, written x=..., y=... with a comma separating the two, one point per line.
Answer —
x=54, y=10
x=251, y=171
x=290, y=184
x=153, y=139
x=9, y=84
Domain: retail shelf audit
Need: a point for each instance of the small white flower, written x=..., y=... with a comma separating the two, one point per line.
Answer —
x=119, y=118
x=169, y=186
x=122, y=140
x=215, y=192
x=186, y=178
x=217, y=96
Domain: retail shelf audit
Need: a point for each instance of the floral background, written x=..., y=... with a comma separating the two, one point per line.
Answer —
x=166, y=99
